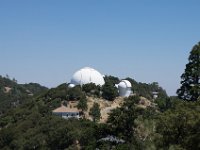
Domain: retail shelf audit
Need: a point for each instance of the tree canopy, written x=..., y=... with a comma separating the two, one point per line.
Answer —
x=95, y=112
x=190, y=79
x=109, y=91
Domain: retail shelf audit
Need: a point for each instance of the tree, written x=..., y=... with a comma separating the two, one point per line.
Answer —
x=110, y=92
x=91, y=89
x=75, y=93
x=179, y=126
x=95, y=112
x=146, y=90
x=190, y=83
x=164, y=103
x=122, y=120
x=112, y=79
x=82, y=104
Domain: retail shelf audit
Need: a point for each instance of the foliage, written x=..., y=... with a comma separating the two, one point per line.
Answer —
x=109, y=91
x=135, y=99
x=95, y=112
x=190, y=83
x=180, y=126
x=146, y=90
x=122, y=119
x=82, y=104
x=111, y=79
x=34, y=88
x=171, y=124
x=164, y=103
x=91, y=89
x=58, y=92
x=75, y=93
x=17, y=94
x=28, y=127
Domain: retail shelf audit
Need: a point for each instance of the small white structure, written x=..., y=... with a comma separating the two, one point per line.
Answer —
x=85, y=76
x=155, y=95
x=66, y=112
x=124, y=88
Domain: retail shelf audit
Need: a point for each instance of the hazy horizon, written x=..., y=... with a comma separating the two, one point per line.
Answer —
x=47, y=41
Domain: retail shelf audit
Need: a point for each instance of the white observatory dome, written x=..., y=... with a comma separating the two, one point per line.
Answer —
x=125, y=88
x=87, y=75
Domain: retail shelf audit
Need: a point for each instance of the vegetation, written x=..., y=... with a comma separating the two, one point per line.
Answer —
x=95, y=112
x=82, y=104
x=179, y=127
x=92, y=90
x=34, y=88
x=146, y=90
x=32, y=125
x=13, y=95
x=75, y=93
x=167, y=123
x=122, y=119
x=190, y=83
x=109, y=91
x=112, y=80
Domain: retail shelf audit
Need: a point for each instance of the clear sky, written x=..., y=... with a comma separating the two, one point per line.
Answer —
x=46, y=41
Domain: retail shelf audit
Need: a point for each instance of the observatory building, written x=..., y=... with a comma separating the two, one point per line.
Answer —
x=85, y=76
x=89, y=75
x=124, y=88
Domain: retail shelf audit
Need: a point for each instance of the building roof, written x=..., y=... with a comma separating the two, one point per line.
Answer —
x=64, y=109
x=87, y=75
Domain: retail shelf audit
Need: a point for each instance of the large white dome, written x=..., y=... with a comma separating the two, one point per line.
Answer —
x=87, y=75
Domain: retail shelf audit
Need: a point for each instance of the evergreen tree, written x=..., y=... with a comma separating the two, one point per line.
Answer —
x=95, y=112
x=179, y=127
x=190, y=83
x=110, y=92
x=111, y=79
x=82, y=104
x=91, y=89
x=122, y=120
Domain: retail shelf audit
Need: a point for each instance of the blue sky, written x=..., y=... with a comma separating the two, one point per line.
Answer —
x=47, y=41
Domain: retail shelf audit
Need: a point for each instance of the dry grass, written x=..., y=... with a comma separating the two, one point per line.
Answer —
x=7, y=89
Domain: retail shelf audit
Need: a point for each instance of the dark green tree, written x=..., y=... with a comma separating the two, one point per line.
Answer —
x=163, y=103
x=109, y=91
x=146, y=90
x=190, y=83
x=91, y=89
x=112, y=79
x=121, y=120
x=95, y=112
x=75, y=93
x=179, y=126
x=82, y=104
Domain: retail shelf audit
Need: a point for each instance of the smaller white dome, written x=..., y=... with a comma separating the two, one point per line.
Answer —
x=125, y=84
x=125, y=88
x=71, y=85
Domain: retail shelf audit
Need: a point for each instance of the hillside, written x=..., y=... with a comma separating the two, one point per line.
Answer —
x=13, y=94
x=135, y=122
x=107, y=106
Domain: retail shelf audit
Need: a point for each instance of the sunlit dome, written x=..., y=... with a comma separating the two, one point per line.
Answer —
x=125, y=84
x=125, y=88
x=87, y=75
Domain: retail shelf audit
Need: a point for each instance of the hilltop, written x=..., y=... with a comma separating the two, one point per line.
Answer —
x=135, y=122
x=13, y=94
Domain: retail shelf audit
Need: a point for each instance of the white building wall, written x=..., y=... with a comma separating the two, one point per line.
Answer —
x=125, y=92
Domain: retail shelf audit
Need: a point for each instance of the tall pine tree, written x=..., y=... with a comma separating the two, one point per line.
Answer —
x=190, y=83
